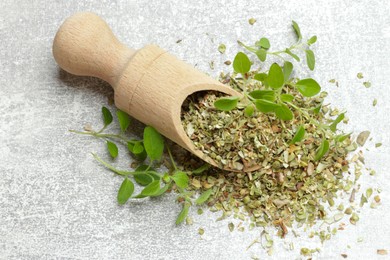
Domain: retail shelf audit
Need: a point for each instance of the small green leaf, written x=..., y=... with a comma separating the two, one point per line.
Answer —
x=183, y=213
x=275, y=77
x=143, y=179
x=284, y=113
x=297, y=30
x=249, y=110
x=264, y=43
x=310, y=59
x=287, y=69
x=308, y=87
x=341, y=138
x=151, y=189
x=181, y=179
x=265, y=106
x=112, y=149
x=299, y=135
x=333, y=126
x=153, y=143
x=222, y=48
x=204, y=197
x=312, y=40
x=202, y=168
x=286, y=97
x=142, y=168
x=161, y=191
x=317, y=109
x=261, y=77
x=137, y=149
x=107, y=116
x=261, y=54
x=226, y=103
x=292, y=55
x=241, y=63
x=322, y=150
x=124, y=120
x=263, y=94
x=125, y=191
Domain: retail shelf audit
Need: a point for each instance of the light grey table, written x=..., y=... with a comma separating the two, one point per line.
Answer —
x=56, y=202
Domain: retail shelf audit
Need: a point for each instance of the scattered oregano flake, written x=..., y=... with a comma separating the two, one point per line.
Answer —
x=367, y=84
x=362, y=138
x=222, y=48
x=252, y=21
x=381, y=252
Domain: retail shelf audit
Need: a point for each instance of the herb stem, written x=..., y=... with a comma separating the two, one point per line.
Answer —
x=100, y=135
x=110, y=167
x=171, y=158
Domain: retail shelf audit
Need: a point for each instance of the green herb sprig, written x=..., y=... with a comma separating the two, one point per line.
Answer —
x=151, y=148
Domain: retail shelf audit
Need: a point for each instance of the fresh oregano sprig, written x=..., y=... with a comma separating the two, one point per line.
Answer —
x=262, y=46
x=150, y=147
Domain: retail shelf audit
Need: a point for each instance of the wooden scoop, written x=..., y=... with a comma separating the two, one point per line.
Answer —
x=150, y=84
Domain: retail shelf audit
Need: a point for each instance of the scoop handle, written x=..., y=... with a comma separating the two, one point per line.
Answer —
x=85, y=45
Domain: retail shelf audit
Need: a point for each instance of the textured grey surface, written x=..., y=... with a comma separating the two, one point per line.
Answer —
x=56, y=202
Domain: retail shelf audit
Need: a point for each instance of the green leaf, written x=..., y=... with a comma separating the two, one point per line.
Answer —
x=312, y=40
x=261, y=54
x=292, y=55
x=308, y=87
x=263, y=94
x=297, y=30
x=204, y=197
x=202, y=168
x=124, y=120
x=161, y=191
x=125, y=191
x=299, y=135
x=142, y=168
x=107, y=116
x=317, y=109
x=137, y=148
x=275, y=77
x=181, y=179
x=264, y=43
x=226, y=103
x=265, y=106
x=287, y=69
x=112, y=149
x=333, y=126
x=249, y=110
x=151, y=189
x=261, y=77
x=183, y=213
x=143, y=179
x=241, y=63
x=341, y=138
x=153, y=143
x=322, y=150
x=286, y=97
x=284, y=113
x=310, y=59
